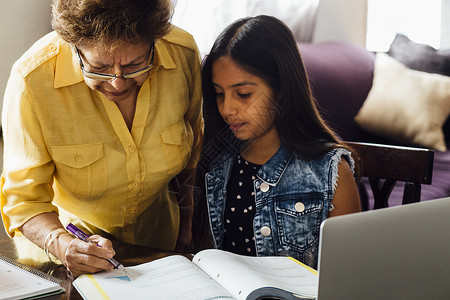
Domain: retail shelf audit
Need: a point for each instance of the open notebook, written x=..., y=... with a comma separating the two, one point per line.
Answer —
x=400, y=252
x=212, y=274
x=18, y=281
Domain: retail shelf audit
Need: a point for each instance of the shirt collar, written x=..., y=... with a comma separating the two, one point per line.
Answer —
x=68, y=71
x=272, y=170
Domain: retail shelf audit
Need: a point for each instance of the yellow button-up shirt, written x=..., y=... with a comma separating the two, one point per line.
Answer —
x=67, y=149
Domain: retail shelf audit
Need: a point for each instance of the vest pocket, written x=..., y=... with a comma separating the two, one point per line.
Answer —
x=298, y=219
x=81, y=169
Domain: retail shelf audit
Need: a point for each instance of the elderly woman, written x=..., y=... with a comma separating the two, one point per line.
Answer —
x=100, y=117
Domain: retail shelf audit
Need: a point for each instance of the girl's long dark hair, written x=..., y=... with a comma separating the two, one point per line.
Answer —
x=265, y=47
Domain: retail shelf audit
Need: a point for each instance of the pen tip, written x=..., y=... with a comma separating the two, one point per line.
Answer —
x=122, y=268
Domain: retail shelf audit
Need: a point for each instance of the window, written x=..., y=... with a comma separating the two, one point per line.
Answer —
x=420, y=20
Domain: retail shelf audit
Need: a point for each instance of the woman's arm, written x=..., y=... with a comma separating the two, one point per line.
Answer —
x=79, y=257
x=346, y=197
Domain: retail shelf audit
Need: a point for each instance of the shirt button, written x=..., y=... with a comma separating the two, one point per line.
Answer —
x=79, y=158
x=299, y=206
x=183, y=136
x=132, y=211
x=135, y=183
x=264, y=187
x=265, y=230
x=53, y=48
x=132, y=149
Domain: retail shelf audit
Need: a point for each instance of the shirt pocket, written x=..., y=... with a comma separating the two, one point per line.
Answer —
x=177, y=142
x=81, y=169
x=298, y=219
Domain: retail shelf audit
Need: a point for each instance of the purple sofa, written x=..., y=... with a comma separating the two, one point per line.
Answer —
x=341, y=77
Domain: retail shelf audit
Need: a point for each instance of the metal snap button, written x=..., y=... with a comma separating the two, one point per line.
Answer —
x=299, y=206
x=264, y=187
x=265, y=230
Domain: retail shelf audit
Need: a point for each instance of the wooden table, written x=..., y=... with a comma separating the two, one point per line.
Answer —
x=127, y=254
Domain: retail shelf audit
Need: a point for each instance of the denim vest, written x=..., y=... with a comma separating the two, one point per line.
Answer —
x=293, y=197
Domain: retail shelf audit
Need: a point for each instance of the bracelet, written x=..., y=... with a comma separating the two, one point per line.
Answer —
x=48, y=241
x=48, y=236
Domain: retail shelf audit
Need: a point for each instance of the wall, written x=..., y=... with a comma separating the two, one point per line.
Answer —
x=22, y=23
x=344, y=20
x=445, y=28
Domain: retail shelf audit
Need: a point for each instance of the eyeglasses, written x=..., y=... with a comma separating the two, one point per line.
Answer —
x=111, y=77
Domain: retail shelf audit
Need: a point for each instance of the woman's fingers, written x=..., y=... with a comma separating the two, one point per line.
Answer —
x=82, y=257
x=101, y=241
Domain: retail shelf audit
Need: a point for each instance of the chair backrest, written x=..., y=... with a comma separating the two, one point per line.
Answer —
x=384, y=165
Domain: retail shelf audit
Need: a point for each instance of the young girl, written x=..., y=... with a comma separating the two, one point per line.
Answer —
x=272, y=169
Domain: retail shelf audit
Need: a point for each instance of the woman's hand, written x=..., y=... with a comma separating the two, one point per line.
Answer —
x=78, y=256
x=81, y=257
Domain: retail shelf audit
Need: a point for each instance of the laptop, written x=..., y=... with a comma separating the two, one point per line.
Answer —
x=400, y=252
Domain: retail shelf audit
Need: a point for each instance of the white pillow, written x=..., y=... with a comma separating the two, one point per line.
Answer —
x=406, y=105
x=205, y=19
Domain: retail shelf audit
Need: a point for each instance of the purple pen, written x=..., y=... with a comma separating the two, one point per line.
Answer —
x=84, y=237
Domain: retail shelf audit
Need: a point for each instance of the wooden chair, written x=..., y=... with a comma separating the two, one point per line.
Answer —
x=389, y=163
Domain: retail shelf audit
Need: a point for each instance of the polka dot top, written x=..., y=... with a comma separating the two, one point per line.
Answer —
x=240, y=209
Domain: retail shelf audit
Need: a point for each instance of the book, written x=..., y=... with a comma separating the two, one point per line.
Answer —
x=18, y=281
x=212, y=274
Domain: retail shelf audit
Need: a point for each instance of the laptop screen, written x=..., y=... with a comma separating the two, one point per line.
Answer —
x=400, y=252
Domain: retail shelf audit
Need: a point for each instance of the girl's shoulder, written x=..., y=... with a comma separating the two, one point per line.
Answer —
x=337, y=154
x=328, y=160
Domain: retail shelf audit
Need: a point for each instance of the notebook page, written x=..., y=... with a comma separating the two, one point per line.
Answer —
x=240, y=275
x=19, y=281
x=172, y=277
